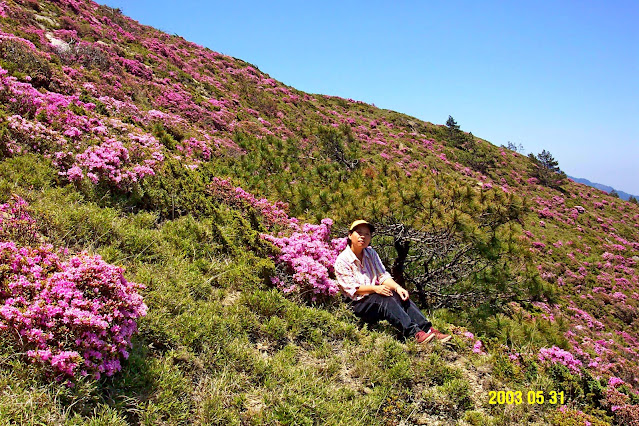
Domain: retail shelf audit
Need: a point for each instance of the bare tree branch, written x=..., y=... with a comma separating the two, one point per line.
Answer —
x=449, y=265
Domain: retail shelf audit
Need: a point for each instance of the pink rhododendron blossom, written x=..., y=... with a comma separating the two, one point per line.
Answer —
x=615, y=381
x=478, y=347
x=65, y=314
x=309, y=256
x=116, y=162
x=273, y=213
x=556, y=355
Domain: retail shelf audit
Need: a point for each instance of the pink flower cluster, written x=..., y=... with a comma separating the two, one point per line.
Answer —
x=556, y=355
x=615, y=381
x=309, y=256
x=73, y=317
x=478, y=347
x=137, y=68
x=195, y=150
x=591, y=322
x=274, y=214
x=31, y=135
x=548, y=313
x=620, y=404
x=114, y=162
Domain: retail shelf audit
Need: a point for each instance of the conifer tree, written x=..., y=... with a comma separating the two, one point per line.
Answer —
x=452, y=124
x=548, y=161
x=457, y=138
x=333, y=147
x=546, y=169
x=450, y=249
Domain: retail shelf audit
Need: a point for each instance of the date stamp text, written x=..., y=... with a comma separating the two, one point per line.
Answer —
x=530, y=397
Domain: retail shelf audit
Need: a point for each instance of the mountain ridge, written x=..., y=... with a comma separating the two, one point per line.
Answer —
x=606, y=188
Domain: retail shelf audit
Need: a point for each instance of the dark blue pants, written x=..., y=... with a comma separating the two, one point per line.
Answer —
x=402, y=314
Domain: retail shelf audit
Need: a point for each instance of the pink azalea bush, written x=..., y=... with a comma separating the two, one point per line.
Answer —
x=619, y=402
x=65, y=134
x=306, y=256
x=73, y=316
x=478, y=347
x=114, y=162
x=16, y=223
x=309, y=256
x=556, y=355
x=273, y=214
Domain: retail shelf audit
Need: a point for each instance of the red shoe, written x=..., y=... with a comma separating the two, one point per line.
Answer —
x=423, y=337
x=440, y=336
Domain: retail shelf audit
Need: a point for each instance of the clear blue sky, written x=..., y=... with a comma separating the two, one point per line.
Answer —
x=556, y=75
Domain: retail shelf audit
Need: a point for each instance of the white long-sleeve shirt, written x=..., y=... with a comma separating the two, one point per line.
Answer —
x=351, y=274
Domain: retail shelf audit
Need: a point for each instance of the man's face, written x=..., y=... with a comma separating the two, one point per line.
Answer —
x=361, y=236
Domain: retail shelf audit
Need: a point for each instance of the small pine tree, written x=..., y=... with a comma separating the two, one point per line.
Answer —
x=457, y=138
x=633, y=200
x=333, y=147
x=546, y=169
x=454, y=255
x=614, y=193
x=452, y=124
x=547, y=160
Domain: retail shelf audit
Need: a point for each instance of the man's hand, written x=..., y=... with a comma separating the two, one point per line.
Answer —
x=393, y=286
x=383, y=290
x=402, y=292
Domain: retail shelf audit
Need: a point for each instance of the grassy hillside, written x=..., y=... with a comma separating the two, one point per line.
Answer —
x=117, y=137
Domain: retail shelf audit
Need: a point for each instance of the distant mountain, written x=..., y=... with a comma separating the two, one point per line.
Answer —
x=608, y=189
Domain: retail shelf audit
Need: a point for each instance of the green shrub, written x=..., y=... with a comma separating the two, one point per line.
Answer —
x=565, y=382
x=434, y=370
x=20, y=59
x=451, y=399
x=477, y=418
x=21, y=173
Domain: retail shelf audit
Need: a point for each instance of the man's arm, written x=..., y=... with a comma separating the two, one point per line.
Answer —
x=385, y=278
x=393, y=286
x=379, y=289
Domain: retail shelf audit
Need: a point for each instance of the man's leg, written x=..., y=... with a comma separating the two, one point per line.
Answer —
x=375, y=307
x=414, y=313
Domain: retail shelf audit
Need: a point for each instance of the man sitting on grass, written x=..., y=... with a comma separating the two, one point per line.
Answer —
x=375, y=296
